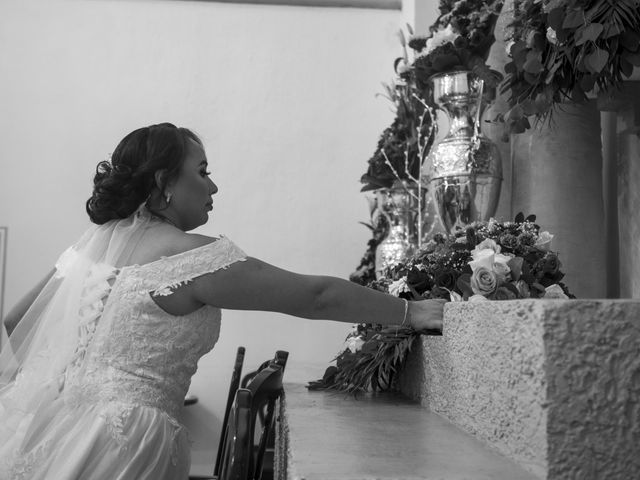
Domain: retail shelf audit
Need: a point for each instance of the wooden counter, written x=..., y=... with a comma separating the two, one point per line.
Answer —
x=327, y=436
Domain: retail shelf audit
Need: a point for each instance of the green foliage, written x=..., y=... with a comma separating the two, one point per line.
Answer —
x=374, y=366
x=562, y=50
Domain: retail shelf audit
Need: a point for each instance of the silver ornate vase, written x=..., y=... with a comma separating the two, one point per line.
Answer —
x=466, y=169
x=409, y=216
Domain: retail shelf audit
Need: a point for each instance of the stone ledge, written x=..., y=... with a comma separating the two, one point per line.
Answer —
x=551, y=384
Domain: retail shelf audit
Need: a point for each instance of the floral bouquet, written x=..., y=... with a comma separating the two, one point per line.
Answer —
x=459, y=40
x=486, y=261
x=563, y=49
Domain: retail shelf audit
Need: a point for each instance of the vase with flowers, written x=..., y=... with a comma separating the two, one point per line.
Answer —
x=450, y=69
x=401, y=213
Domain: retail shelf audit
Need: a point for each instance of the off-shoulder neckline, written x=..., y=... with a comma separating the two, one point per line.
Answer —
x=137, y=266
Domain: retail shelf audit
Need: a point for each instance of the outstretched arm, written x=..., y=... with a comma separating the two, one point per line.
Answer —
x=17, y=312
x=256, y=285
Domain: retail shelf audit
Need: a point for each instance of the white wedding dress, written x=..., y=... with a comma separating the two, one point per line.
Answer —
x=112, y=411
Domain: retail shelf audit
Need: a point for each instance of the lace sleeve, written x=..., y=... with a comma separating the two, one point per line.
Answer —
x=169, y=273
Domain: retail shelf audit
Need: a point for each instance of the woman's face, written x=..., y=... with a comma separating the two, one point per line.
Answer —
x=191, y=191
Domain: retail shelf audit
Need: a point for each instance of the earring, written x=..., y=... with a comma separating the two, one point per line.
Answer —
x=167, y=197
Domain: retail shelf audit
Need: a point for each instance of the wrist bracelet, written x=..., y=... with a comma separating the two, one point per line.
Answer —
x=406, y=309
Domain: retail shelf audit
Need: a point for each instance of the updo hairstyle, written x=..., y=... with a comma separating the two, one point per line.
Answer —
x=121, y=185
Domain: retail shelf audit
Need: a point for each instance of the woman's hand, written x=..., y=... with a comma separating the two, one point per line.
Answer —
x=426, y=314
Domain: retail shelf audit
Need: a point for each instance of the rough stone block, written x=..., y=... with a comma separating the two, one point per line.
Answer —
x=552, y=384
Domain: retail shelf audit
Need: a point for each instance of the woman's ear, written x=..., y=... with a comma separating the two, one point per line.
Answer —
x=160, y=178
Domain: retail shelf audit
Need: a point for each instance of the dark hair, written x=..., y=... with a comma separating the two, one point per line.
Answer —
x=121, y=185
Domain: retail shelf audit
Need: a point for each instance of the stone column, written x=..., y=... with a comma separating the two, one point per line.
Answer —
x=628, y=162
x=557, y=175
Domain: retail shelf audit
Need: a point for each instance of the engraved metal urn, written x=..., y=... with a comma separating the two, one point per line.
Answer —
x=410, y=217
x=466, y=169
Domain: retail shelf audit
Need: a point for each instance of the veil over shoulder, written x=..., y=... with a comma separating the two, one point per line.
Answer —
x=96, y=369
x=33, y=364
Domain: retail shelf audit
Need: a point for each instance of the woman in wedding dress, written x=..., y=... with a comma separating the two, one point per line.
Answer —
x=102, y=350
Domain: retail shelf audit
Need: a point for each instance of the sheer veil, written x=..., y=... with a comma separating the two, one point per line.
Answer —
x=46, y=340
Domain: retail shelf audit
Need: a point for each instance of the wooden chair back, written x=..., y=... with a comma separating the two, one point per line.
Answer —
x=237, y=448
x=266, y=388
x=236, y=375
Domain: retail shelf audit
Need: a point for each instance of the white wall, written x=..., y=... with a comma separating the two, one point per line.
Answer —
x=283, y=97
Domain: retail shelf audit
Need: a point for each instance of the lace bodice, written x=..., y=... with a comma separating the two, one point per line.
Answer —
x=130, y=351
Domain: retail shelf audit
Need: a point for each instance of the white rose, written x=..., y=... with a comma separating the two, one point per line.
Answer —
x=482, y=258
x=398, y=287
x=554, y=291
x=442, y=36
x=478, y=298
x=544, y=241
x=551, y=36
x=354, y=344
x=487, y=243
x=501, y=269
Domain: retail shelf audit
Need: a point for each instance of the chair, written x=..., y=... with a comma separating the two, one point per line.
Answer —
x=266, y=388
x=233, y=388
x=249, y=422
x=280, y=358
x=266, y=450
x=237, y=446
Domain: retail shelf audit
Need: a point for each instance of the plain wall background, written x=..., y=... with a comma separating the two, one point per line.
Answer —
x=284, y=99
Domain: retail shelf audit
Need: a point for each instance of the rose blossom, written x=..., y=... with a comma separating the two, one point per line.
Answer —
x=554, y=292
x=551, y=264
x=478, y=298
x=509, y=240
x=482, y=259
x=504, y=293
x=486, y=244
x=354, y=344
x=442, y=36
x=551, y=36
x=544, y=241
x=501, y=270
x=483, y=281
x=446, y=279
x=398, y=287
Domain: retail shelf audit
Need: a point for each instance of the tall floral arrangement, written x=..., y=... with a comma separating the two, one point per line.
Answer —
x=460, y=39
x=562, y=50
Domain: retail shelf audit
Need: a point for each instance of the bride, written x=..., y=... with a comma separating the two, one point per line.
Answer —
x=102, y=351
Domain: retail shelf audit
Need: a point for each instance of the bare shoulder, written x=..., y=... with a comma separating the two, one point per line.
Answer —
x=183, y=241
x=167, y=241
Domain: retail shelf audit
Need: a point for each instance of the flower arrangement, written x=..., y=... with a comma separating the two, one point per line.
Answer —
x=459, y=40
x=563, y=49
x=403, y=145
x=486, y=261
